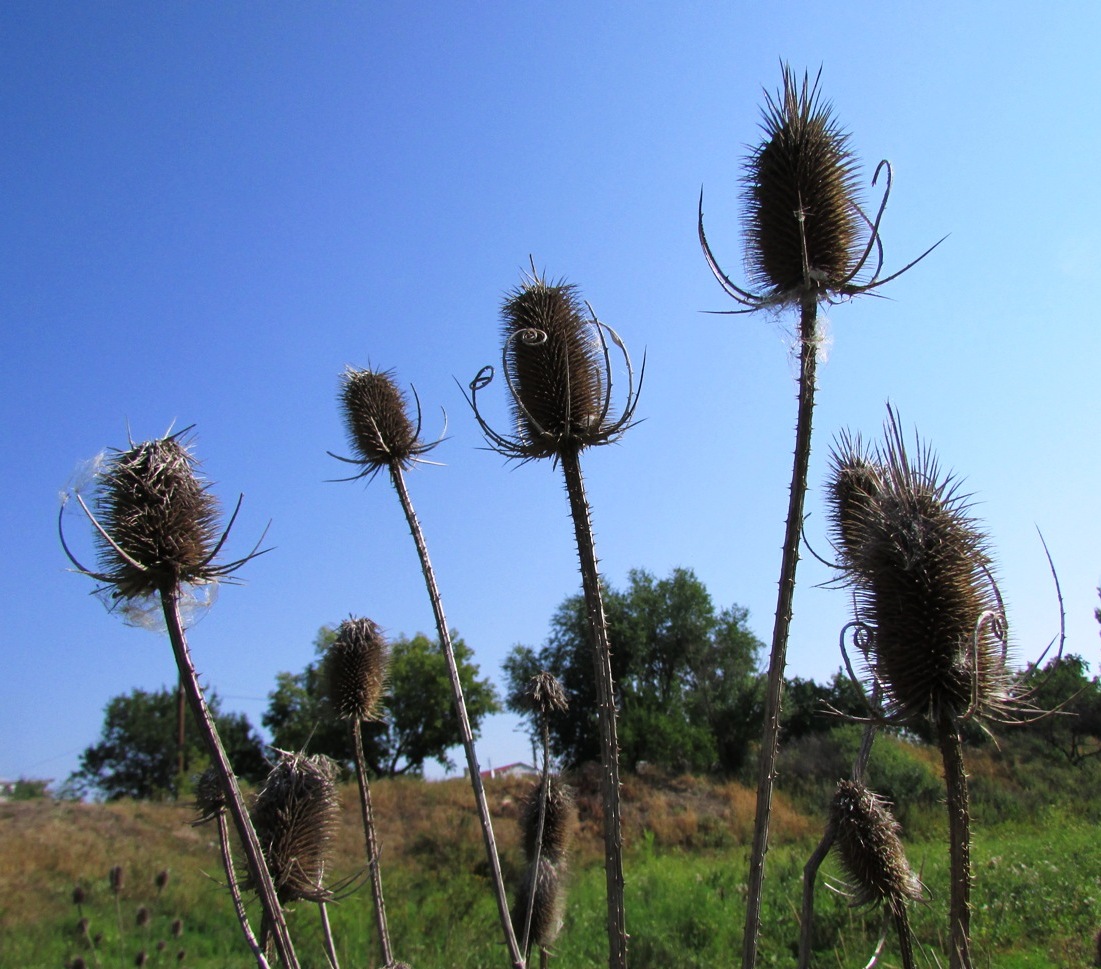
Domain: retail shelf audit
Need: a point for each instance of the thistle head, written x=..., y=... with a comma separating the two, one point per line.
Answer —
x=558, y=820
x=558, y=368
x=924, y=586
x=545, y=694
x=851, y=493
x=296, y=814
x=376, y=418
x=357, y=665
x=805, y=232
x=548, y=904
x=870, y=849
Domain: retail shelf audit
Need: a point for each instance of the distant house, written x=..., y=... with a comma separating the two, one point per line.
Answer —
x=518, y=769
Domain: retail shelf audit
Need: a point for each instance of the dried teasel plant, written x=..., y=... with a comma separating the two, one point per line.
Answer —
x=868, y=843
x=931, y=616
x=382, y=435
x=296, y=814
x=547, y=822
x=807, y=241
x=356, y=668
x=558, y=369
x=155, y=522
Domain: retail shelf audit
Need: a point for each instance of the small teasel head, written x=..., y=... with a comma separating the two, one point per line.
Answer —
x=296, y=815
x=157, y=525
x=116, y=878
x=210, y=798
x=376, y=418
x=925, y=585
x=548, y=904
x=79, y=895
x=161, y=880
x=851, y=493
x=870, y=849
x=357, y=666
x=558, y=368
x=546, y=695
x=559, y=820
x=142, y=917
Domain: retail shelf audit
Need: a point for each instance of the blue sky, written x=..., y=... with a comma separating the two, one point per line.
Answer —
x=208, y=210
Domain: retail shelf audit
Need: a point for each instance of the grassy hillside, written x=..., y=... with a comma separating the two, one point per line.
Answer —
x=1037, y=893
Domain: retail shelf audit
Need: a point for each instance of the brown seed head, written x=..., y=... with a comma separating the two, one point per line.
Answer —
x=357, y=665
x=804, y=228
x=554, y=363
x=79, y=895
x=924, y=584
x=210, y=798
x=116, y=879
x=546, y=694
x=558, y=823
x=853, y=488
x=549, y=903
x=376, y=418
x=177, y=928
x=141, y=958
x=296, y=815
x=161, y=518
x=161, y=879
x=869, y=847
x=142, y=917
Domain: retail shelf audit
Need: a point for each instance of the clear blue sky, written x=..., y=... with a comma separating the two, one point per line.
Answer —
x=208, y=210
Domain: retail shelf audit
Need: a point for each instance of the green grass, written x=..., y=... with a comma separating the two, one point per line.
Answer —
x=1037, y=892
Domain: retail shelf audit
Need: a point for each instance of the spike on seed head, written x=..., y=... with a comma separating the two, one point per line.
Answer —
x=870, y=849
x=210, y=798
x=804, y=225
x=376, y=418
x=851, y=493
x=558, y=821
x=296, y=815
x=545, y=694
x=357, y=665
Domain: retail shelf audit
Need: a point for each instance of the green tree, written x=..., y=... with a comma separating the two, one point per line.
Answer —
x=688, y=690
x=1065, y=688
x=418, y=721
x=136, y=753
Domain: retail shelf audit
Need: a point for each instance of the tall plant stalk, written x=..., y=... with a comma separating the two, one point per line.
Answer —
x=369, y=834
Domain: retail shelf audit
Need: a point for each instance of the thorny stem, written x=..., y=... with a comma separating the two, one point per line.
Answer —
x=372, y=844
x=901, y=917
x=959, y=841
x=605, y=692
x=467, y=736
x=235, y=891
x=254, y=855
x=534, y=862
x=327, y=936
x=771, y=741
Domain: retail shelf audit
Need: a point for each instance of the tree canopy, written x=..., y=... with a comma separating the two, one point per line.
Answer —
x=418, y=720
x=687, y=688
x=136, y=753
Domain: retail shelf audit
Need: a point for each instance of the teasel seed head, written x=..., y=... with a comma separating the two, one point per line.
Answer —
x=161, y=879
x=558, y=368
x=79, y=895
x=376, y=418
x=116, y=878
x=546, y=695
x=210, y=798
x=870, y=849
x=357, y=666
x=296, y=814
x=924, y=584
x=142, y=917
x=804, y=225
x=548, y=906
x=851, y=493
x=558, y=822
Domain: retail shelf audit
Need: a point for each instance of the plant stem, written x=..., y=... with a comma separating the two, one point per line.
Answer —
x=770, y=743
x=465, y=732
x=605, y=692
x=254, y=855
x=327, y=936
x=534, y=861
x=235, y=891
x=959, y=841
x=372, y=844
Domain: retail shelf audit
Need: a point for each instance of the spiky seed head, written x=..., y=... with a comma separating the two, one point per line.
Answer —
x=805, y=232
x=210, y=798
x=296, y=815
x=177, y=928
x=79, y=895
x=161, y=879
x=142, y=918
x=357, y=665
x=376, y=417
x=548, y=905
x=78, y=963
x=558, y=822
x=924, y=584
x=546, y=695
x=870, y=849
x=161, y=518
x=555, y=367
x=851, y=493
x=116, y=878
